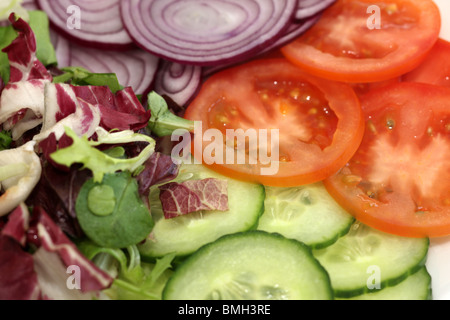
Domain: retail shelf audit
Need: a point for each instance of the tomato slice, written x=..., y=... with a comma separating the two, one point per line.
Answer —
x=347, y=45
x=399, y=179
x=313, y=125
x=366, y=87
x=435, y=69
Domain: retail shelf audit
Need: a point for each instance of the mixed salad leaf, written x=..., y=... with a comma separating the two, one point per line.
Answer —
x=100, y=163
x=88, y=185
x=5, y=140
x=75, y=173
x=193, y=195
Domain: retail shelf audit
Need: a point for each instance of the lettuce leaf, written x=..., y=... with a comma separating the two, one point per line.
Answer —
x=112, y=213
x=135, y=280
x=83, y=151
x=163, y=122
x=45, y=51
x=5, y=140
x=7, y=35
x=78, y=76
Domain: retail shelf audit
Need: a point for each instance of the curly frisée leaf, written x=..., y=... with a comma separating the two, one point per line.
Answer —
x=83, y=151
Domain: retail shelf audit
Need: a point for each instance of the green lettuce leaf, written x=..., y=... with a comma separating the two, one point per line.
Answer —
x=45, y=51
x=5, y=140
x=163, y=122
x=7, y=35
x=84, y=151
x=79, y=76
x=124, y=223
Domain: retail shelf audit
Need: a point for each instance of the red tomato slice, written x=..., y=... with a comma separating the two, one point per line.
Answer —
x=346, y=44
x=435, y=69
x=320, y=123
x=366, y=87
x=399, y=179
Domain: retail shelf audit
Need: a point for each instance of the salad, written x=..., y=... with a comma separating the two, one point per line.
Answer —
x=288, y=150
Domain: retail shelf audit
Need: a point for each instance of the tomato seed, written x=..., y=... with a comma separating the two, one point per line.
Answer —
x=295, y=93
x=351, y=179
x=390, y=124
x=391, y=9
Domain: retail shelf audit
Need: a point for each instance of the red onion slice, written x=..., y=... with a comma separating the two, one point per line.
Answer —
x=295, y=30
x=205, y=32
x=99, y=24
x=308, y=8
x=62, y=48
x=178, y=81
x=134, y=68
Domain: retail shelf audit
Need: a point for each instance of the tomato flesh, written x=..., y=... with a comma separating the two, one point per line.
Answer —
x=320, y=122
x=344, y=45
x=399, y=179
x=284, y=104
x=435, y=69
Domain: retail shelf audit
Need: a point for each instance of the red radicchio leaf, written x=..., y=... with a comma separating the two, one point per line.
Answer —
x=53, y=240
x=64, y=109
x=17, y=224
x=58, y=189
x=84, y=108
x=193, y=195
x=50, y=144
x=159, y=168
x=18, y=280
x=22, y=106
x=121, y=110
x=21, y=52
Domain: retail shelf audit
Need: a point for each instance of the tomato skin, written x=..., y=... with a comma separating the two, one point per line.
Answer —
x=344, y=27
x=435, y=69
x=399, y=179
x=307, y=161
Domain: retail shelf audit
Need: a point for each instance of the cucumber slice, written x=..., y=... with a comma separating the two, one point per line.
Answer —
x=253, y=265
x=185, y=234
x=305, y=213
x=367, y=259
x=416, y=287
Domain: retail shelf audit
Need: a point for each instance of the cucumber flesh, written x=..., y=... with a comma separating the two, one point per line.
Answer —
x=416, y=287
x=366, y=260
x=253, y=265
x=185, y=234
x=305, y=213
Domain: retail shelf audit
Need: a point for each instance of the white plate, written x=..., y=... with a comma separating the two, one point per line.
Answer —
x=444, y=6
x=438, y=262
